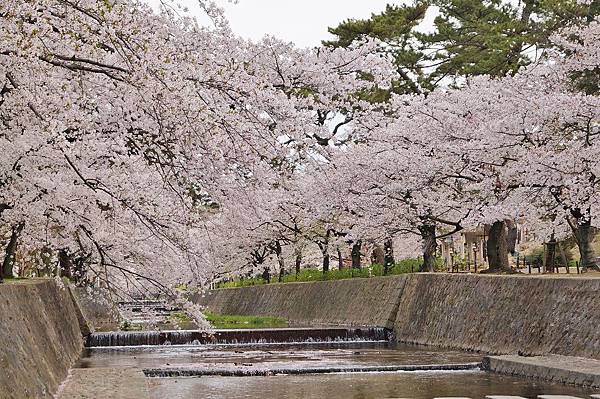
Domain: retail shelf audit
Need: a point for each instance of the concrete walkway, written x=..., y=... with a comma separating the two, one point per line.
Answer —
x=114, y=383
x=564, y=369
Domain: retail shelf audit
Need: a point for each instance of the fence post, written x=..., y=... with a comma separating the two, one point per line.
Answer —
x=577, y=265
x=529, y=267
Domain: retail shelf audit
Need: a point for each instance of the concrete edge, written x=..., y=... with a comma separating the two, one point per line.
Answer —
x=578, y=277
x=84, y=325
x=544, y=369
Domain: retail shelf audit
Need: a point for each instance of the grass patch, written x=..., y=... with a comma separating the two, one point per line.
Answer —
x=233, y=321
x=180, y=317
x=181, y=320
x=126, y=325
x=305, y=275
x=23, y=280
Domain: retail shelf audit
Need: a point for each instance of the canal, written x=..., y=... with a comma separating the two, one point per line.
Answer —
x=362, y=366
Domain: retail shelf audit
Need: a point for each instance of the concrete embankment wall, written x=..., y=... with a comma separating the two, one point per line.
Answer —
x=352, y=302
x=494, y=314
x=98, y=310
x=502, y=314
x=40, y=338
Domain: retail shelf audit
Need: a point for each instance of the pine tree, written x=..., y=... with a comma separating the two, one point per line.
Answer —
x=470, y=37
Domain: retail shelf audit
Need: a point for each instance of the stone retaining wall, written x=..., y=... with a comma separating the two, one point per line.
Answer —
x=98, y=309
x=40, y=338
x=494, y=314
x=502, y=314
x=352, y=302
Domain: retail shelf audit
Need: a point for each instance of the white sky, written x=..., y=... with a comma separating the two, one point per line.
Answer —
x=303, y=22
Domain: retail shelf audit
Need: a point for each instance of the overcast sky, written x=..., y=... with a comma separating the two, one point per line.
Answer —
x=303, y=22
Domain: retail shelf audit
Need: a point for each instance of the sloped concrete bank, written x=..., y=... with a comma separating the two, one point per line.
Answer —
x=352, y=302
x=40, y=338
x=493, y=314
x=99, y=311
x=502, y=314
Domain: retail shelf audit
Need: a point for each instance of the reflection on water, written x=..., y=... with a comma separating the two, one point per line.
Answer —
x=426, y=385
x=356, y=386
x=303, y=355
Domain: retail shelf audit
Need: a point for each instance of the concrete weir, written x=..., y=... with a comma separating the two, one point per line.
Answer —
x=499, y=315
x=241, y=336
x=268, y=371
x=564, y=369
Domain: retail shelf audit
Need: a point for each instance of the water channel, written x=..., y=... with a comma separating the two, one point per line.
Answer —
x=304, y=370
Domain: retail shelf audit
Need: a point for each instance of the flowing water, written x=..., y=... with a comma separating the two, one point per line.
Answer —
x=290, y=357
x=330, y=363
x=234, y=336
x=273, y=355
x=418, y=385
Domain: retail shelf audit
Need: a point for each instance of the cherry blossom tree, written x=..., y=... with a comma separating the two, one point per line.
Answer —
x=493, y=150
x=119, y=125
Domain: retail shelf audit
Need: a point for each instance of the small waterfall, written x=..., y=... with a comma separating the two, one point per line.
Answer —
x=249, y=336
x=138, y=338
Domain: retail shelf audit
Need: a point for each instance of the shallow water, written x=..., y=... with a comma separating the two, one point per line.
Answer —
x=425, y=385
x=429, y=384
x=300, y=355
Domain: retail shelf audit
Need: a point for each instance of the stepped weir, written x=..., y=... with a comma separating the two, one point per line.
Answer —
x=239, y=336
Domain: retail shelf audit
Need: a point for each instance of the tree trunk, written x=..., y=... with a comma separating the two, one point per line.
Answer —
x=429, y=247
x=388, y=256
x=79, y=271
x=340, y=259
x=11, y=251
x=65, y=263
x=378, y=255
x=324, y=247
x=511, y=236
x=563, y=256
x=356, y=254
x=298, y=252
x=514, y=55
x=584, y=233
x=497, y=247
x=266, y=274
x=550, y=255
x=325, y=262
x=280, y=260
